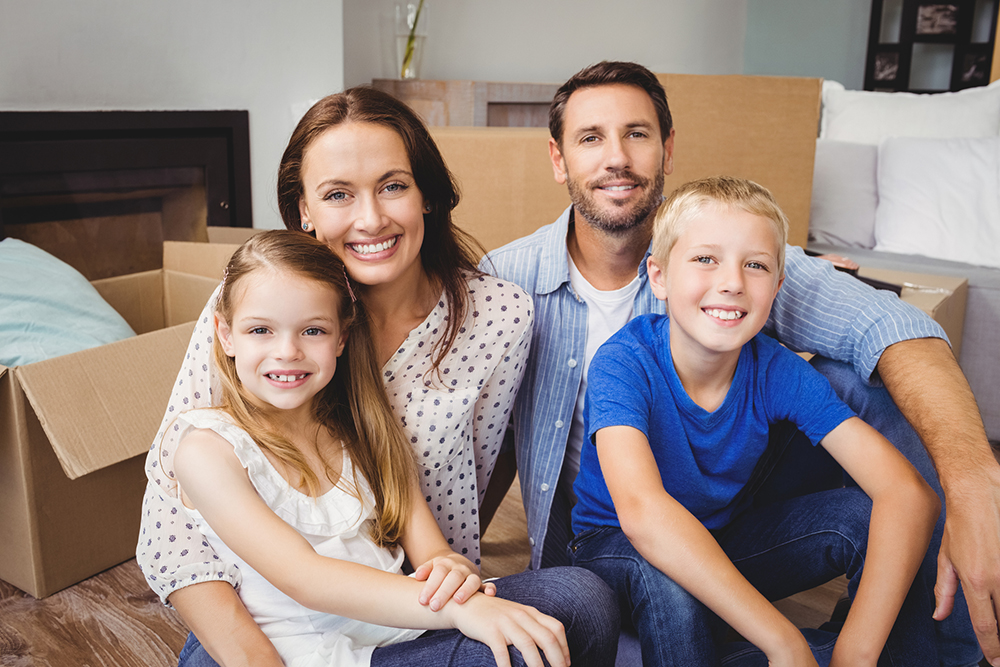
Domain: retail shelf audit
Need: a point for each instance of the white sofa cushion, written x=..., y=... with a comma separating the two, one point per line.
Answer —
x=844, y=194
x=868, y=117
x=940, y=198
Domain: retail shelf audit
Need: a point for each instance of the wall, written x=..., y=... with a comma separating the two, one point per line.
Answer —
x=820, y=38
x=532, y=41
x=184, y=54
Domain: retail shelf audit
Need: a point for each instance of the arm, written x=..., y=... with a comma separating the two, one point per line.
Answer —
x=904, y=511
x=214, y=481
x=928, y=387
x=214, y=605
x=677, y=544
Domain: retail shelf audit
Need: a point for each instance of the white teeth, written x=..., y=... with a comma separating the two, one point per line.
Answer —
x=725, y=314
x=619, y=188
x=285, y=378
x=371, y=248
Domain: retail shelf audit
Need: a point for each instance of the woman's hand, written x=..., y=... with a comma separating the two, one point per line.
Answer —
x=500, y=623
x=450, y=577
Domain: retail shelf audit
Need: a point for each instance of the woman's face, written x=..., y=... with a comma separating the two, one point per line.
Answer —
x=360, y=196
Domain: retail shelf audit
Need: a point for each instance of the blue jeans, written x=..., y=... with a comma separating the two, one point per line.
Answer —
x=579, y=600
x=782, y=548
x=956, y=640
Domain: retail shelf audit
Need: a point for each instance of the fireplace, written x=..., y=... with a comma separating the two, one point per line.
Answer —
x=103, y=189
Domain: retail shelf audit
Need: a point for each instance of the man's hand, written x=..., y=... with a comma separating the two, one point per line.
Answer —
x=970, y=554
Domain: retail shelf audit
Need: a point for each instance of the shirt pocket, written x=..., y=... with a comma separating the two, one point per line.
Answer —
x=439, y=424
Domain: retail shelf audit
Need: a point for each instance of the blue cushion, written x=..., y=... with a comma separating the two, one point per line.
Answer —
x=48, y=309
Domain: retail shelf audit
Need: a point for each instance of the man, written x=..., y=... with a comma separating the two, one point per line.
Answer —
x=612, y=145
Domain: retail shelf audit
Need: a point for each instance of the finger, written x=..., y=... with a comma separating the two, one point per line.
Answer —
x=524, y=641
x=945, y=588
x=467, y=589
x=498, y=645
x=553, y=642
x=489, y=589
x=422, y=572
x=446, y=590
x=434, y=580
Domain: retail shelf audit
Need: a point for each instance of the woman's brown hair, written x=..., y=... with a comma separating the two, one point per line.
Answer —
x=353, y=407
x=448, y=254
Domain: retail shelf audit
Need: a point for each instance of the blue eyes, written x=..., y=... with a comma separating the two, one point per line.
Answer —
x=259, y=330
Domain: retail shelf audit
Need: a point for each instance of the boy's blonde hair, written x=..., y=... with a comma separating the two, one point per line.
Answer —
x=687, y=202
x=353, y=407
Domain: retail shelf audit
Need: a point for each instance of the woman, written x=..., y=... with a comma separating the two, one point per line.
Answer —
x=362, y=174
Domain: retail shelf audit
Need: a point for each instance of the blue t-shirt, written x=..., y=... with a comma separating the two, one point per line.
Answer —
x=704, y=458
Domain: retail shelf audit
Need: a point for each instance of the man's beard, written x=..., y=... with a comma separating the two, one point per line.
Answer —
x=616, y=217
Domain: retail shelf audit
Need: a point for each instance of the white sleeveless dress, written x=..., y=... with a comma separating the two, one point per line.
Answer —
x=337, y=526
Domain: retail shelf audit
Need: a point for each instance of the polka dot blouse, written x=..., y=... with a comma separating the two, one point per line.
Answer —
x=455, y=419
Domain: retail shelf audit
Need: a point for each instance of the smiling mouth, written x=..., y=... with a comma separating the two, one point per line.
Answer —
x=372, y=248
x=286, y=378
x=725, y=314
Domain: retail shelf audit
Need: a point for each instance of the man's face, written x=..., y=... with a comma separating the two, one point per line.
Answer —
x=612, y=156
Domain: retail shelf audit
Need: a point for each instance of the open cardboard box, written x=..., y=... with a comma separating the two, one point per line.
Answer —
x=74, y=430
x=941, y=297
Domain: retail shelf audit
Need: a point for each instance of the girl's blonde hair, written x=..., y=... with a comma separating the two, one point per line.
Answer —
x=688, y=201
x=353, y=407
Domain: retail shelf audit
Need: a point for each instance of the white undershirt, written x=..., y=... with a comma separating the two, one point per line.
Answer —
x=607, y=312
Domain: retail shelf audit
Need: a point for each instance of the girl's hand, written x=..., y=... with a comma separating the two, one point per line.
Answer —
x=450, y=577
x=500, y=623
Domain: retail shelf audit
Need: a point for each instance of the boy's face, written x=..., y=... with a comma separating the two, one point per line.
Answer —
x=720, y=280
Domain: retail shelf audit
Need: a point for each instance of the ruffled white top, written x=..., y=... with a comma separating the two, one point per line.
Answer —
x=337, y=526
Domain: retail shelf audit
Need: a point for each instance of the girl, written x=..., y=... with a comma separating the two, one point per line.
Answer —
x=303, y=478
x=363, y=176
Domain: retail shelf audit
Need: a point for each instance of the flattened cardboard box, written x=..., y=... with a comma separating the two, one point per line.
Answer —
x=74, y=431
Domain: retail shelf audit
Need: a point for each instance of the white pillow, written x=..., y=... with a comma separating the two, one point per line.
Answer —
x=867, y=117
x=940, y=198
x=48, y=309
x=844, y=194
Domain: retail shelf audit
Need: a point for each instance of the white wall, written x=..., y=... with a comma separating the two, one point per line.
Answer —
x=822, y=38
x=549, y=40
x=266, y=57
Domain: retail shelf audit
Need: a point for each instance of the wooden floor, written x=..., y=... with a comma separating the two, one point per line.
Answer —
x=114, y=620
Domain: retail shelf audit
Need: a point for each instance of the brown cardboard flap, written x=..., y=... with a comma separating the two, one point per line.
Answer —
x=186, y=295
x=758, y=127
x=230, y=235
x=102, y=406
x=137, y=297
x=200, y=259
x=505, y=178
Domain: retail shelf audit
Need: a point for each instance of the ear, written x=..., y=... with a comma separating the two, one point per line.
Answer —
x=558, y=162
x=225, y=336
x=668, y=154
x=657, y=278
x=781, y=281
x=303, y=212
x=343, y=342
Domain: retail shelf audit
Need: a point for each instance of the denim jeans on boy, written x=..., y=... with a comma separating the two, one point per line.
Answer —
x=581, y=601
x=781, y=548
x=956, y=640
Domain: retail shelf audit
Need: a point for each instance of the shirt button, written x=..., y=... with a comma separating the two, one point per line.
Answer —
x=544, y=487
x=531, y=541
x=571, y=363
x=559, y=423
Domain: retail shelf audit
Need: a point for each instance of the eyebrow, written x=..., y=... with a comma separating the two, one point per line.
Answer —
x=387, y=175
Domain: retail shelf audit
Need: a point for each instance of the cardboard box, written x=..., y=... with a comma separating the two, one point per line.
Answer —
x=74, y=432
x=941, y=297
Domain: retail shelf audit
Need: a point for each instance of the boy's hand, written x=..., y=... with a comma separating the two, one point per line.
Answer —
x=449, y=577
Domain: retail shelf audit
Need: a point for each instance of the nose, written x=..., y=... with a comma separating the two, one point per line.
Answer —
x=287, y=347
x=731, y=280
x=369, y=218
x=617, y=157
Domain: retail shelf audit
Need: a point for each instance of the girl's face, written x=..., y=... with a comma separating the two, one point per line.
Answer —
x=360, y=196
x=285, y=335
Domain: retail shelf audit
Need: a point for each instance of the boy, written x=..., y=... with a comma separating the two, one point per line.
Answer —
x=679, y=408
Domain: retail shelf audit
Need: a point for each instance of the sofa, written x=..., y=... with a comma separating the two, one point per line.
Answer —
x=912, y=183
